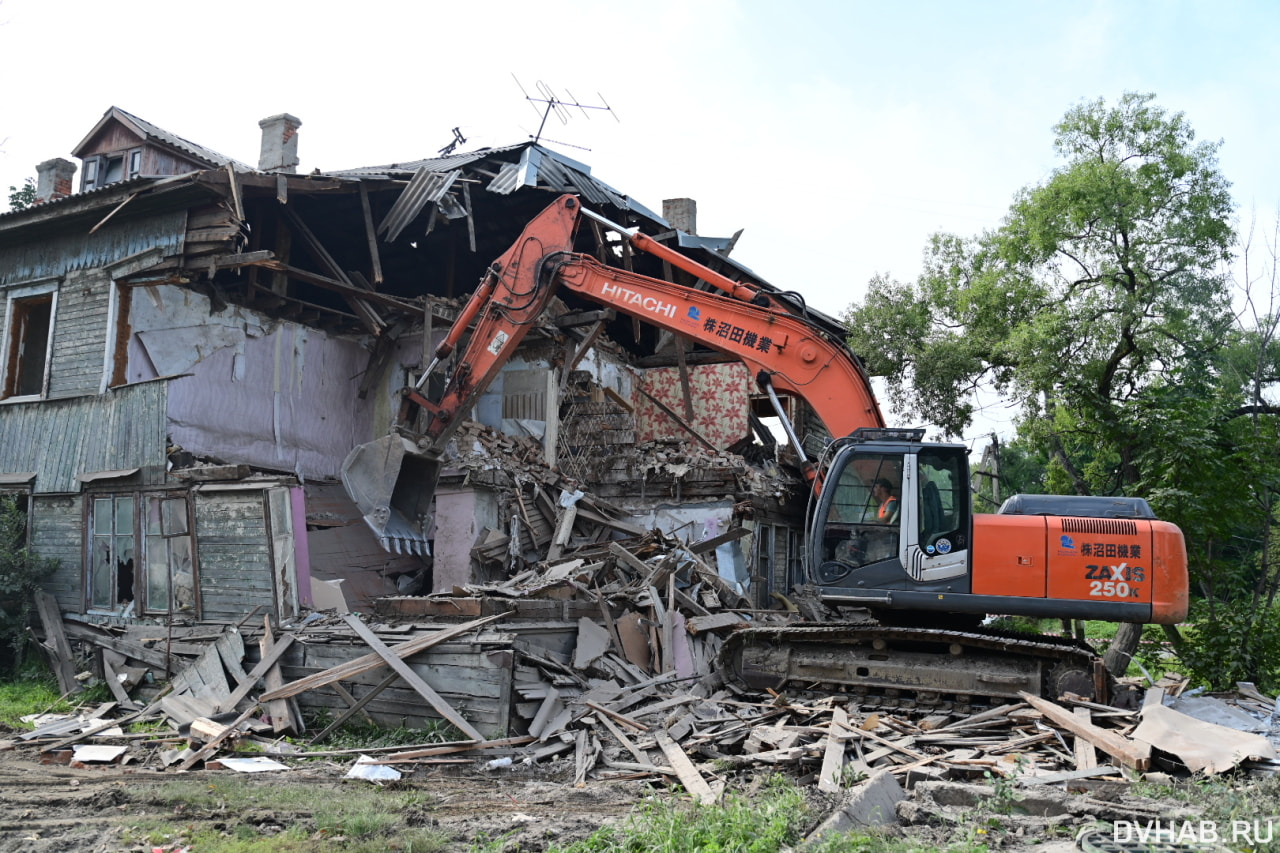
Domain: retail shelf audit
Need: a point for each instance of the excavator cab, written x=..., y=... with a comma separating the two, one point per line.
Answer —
x=897, y=518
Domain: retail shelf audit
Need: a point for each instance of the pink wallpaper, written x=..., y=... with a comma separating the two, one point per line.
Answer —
x=721, y=400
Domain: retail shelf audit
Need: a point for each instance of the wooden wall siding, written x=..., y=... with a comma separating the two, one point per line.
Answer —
x=57, y=532
x=475, y=678
x=80, y=334
x=113, y=137
x=58, y=439
x=78, y=249
x=234, y=555
x=157, y=161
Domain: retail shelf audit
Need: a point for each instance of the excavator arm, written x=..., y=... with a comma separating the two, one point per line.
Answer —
x=393, y=479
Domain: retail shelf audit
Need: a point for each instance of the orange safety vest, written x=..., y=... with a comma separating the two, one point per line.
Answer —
x=888, y=508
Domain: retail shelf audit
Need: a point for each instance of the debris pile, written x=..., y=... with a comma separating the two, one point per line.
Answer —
x=598, y=657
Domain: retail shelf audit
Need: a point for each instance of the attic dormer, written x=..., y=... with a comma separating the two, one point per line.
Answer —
x=122, y=146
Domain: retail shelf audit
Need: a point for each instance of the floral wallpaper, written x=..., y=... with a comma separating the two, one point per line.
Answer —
x=721, y=401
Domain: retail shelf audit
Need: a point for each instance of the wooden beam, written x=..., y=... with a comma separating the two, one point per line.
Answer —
x=114, y=211
x=359, y=303
x=412, y=678
x=1133, y=754
x=685, y=771
x=371, y=235
x=234, y=182
x=829, y=779
x=243, y=259
x=357, y=706
x=344, y=288
x=268, y=661
x=212, y=746
x=63, y=660
x=281, y=717
x=577, y=354
x=1086, y=756
x=682, y=363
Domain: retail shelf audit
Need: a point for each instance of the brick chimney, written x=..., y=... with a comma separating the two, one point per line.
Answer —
x=279, y=144
x=681, y=214
x=53, y=179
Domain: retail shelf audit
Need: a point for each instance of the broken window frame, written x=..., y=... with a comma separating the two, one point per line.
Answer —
x=20, y=302
x=158, y=522
x=278, y=511
x=115, y=368
x=111, y=167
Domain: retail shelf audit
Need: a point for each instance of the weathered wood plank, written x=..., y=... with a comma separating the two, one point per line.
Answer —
x=412, y=678
x=60, y=650
x=374, y=661
x=1132, y=754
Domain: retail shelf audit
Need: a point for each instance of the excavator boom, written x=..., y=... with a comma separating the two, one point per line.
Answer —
x=392, y=479
x=890, y=529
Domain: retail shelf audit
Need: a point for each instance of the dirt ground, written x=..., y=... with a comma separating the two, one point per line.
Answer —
x=56, y=808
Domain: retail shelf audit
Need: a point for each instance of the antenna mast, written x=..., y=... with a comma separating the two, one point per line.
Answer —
x=553, y=103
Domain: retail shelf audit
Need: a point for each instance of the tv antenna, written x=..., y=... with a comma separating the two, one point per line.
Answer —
x=553, y=104
x=458, y=139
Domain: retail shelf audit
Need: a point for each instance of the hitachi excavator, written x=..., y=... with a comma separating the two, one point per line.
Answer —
x=890, y=531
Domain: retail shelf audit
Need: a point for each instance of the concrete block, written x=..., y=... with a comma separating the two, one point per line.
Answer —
x=873, y=803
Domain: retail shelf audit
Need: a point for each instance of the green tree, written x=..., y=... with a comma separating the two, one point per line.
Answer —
x=1099, y=305
x=21, y=572
x=20, y=198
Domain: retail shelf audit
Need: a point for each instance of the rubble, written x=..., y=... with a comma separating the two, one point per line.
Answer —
x=593, y=653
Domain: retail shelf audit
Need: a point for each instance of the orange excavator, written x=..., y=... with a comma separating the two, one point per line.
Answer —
x=891, y=538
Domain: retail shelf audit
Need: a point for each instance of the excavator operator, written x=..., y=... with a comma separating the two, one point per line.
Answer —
x=882, y=493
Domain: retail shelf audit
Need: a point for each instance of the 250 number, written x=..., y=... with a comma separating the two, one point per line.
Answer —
x=1111, y=589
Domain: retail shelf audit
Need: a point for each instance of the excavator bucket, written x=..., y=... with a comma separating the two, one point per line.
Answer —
x=392, y=484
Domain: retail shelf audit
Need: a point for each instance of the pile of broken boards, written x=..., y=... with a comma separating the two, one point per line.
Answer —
x=622, y=684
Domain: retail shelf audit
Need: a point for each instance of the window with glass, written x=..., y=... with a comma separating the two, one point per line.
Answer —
x=944, y=499
x=141, y=554
x=862, y=519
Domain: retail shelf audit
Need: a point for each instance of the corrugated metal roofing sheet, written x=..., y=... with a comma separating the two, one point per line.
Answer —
x=432, y=164
x=425, y=187
x=199, y=152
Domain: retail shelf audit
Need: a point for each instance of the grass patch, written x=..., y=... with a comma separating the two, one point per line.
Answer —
x=765, y=824
x=1224, y=799
x=33, y=693
x=362, y=819
x=360, y=734
x=773, y=820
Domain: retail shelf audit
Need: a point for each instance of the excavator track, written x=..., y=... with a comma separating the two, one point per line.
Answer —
x=907, y=667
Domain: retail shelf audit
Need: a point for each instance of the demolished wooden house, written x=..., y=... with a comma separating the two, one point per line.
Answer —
x=191, y=346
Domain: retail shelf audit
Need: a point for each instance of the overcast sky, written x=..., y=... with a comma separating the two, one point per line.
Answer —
x=839, y=135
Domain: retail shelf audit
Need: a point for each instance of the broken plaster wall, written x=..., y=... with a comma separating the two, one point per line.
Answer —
x=270, y=394
x=695, y=522
x=461, y=513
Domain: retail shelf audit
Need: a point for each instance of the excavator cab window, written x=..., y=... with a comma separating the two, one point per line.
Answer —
x=943, y=513
x=862, y=522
